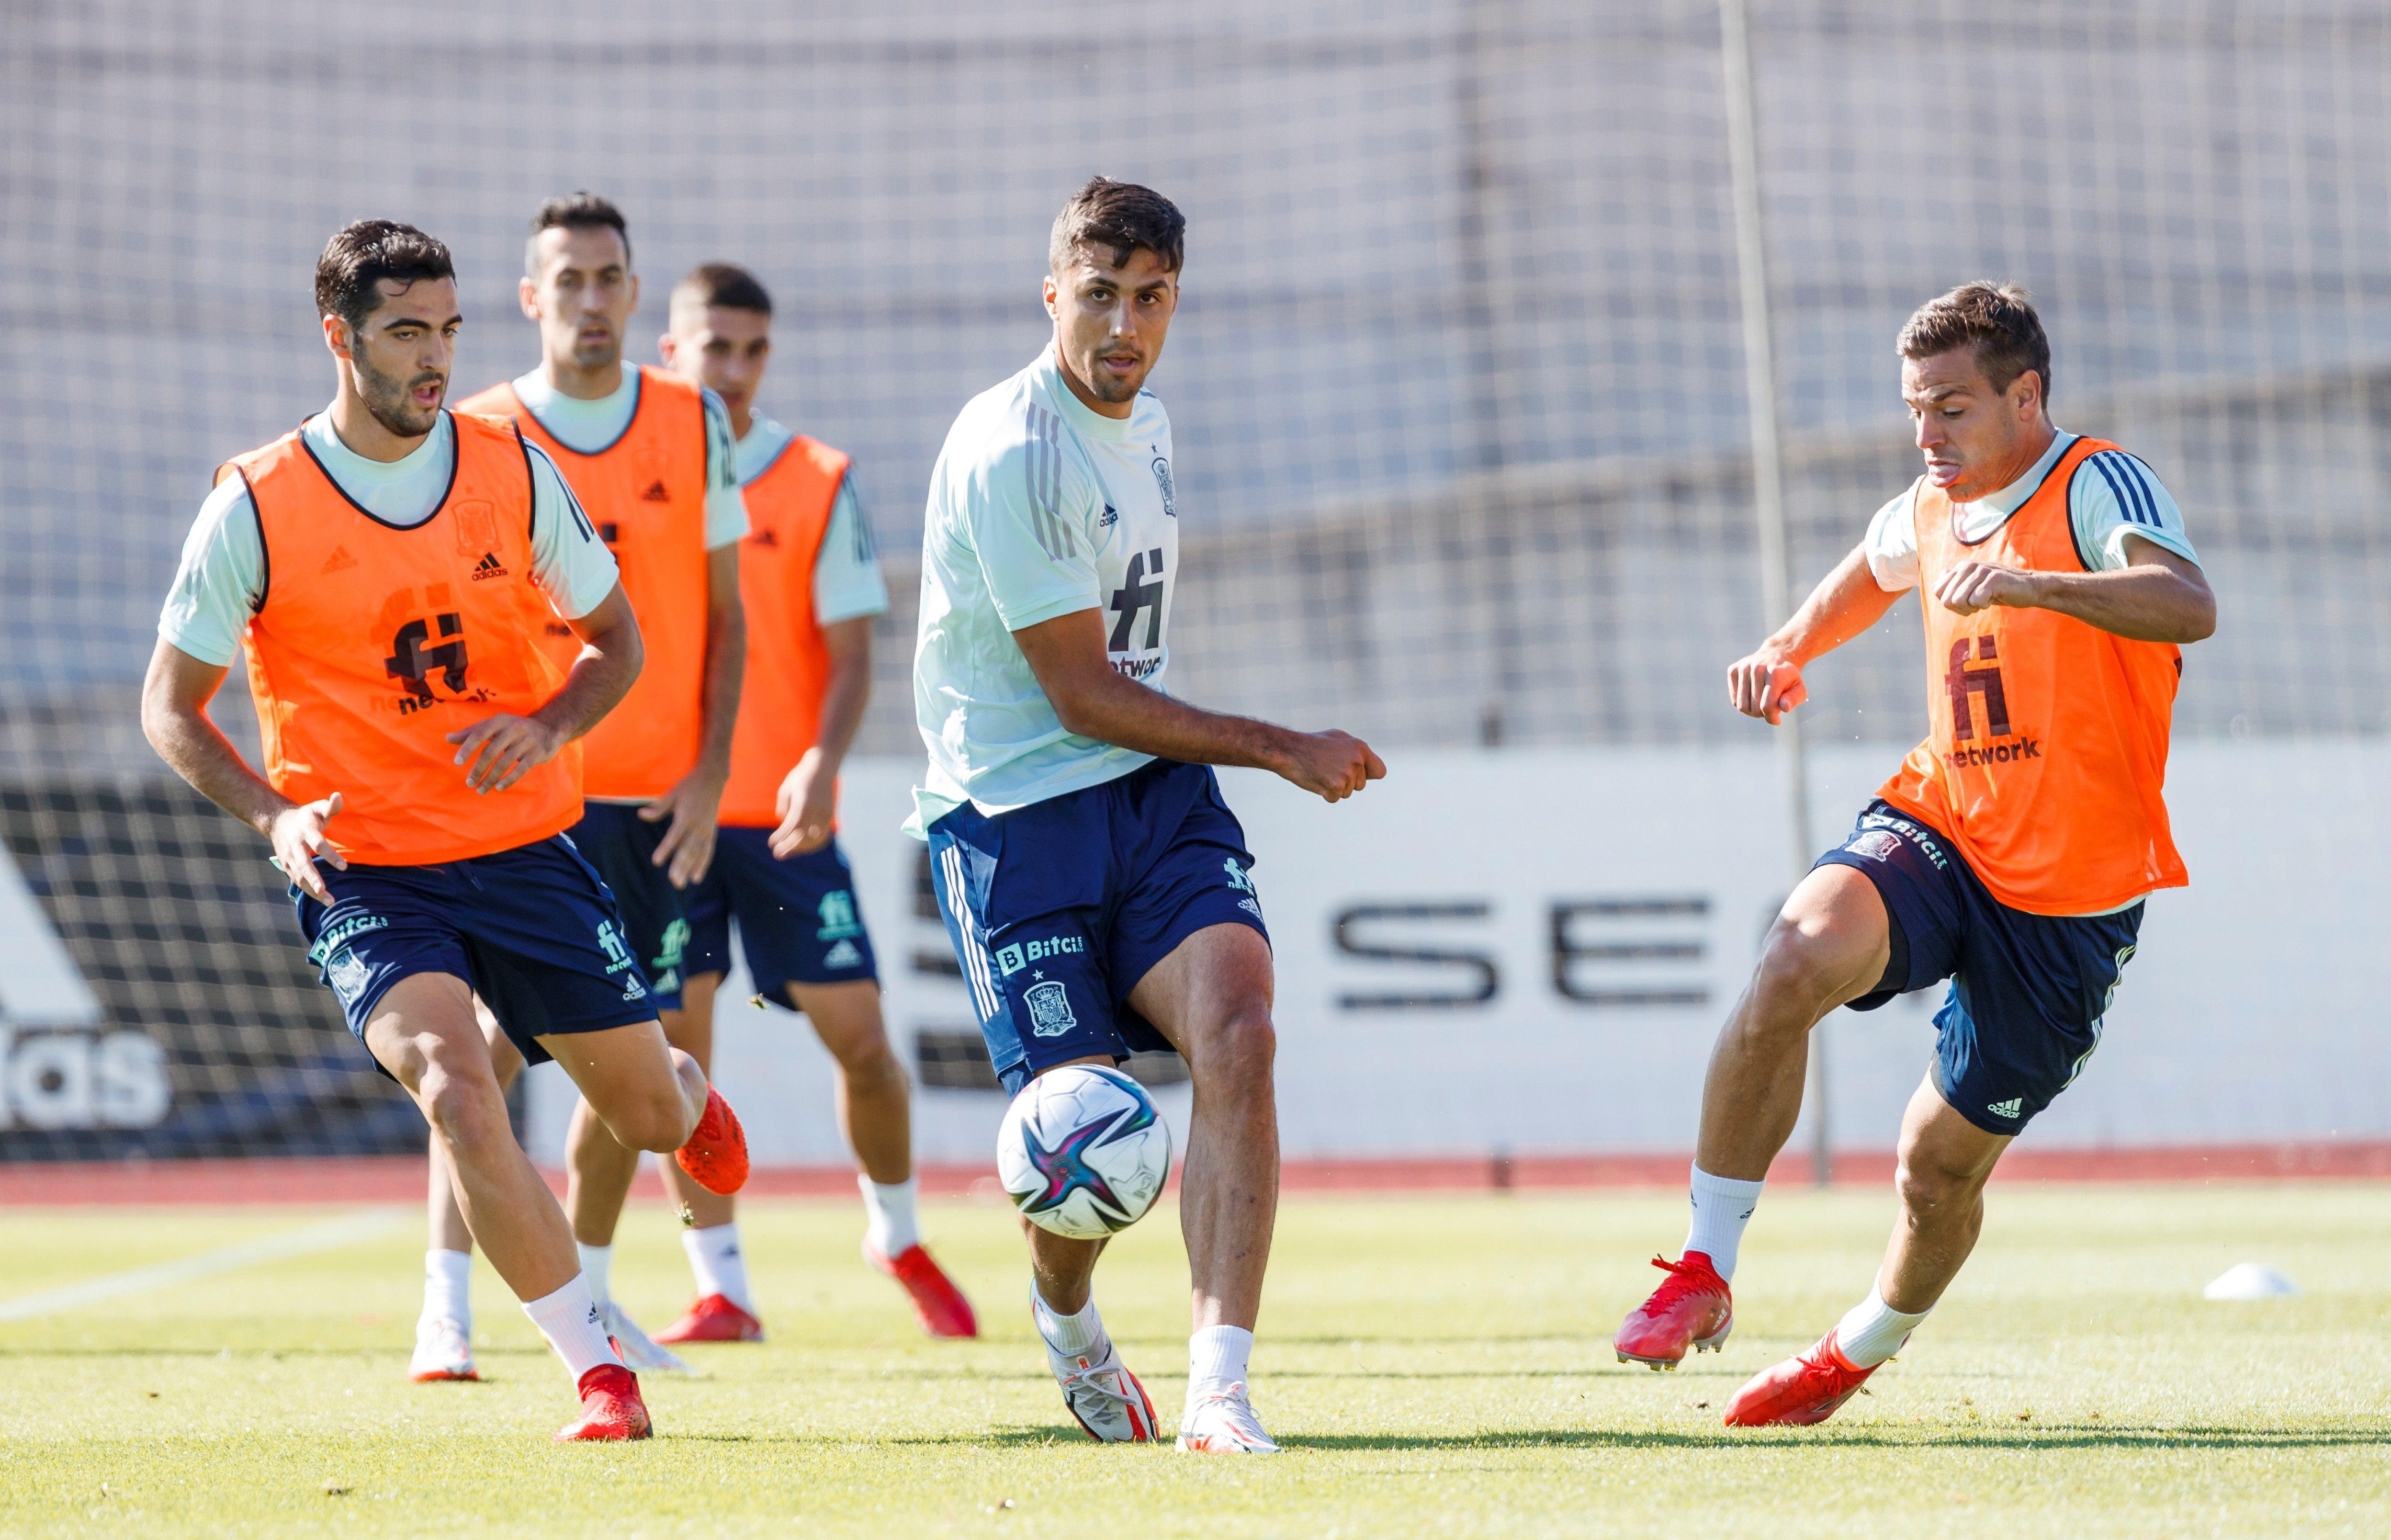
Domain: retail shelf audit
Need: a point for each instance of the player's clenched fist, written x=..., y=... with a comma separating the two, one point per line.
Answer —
x=1766, y=685
x=1331, y=765
x=1972, y=585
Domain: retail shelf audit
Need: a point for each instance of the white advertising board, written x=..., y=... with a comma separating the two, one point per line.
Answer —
x=1529, y=952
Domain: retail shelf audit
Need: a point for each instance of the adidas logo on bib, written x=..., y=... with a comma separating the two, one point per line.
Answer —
x=2010, y=1108
x=489, y=567
x=655, y=493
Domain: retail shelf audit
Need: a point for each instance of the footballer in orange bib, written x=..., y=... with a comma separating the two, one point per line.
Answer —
x=2011, y=854
x=390, y=568
x=810, y=583
x=648, y=455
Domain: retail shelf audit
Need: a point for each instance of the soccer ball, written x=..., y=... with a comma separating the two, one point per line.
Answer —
x=1083, y=1152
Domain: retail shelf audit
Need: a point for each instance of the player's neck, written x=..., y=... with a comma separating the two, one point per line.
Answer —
x=2030, y=449
x=595, y=383
x=1116, y=409
x=743, y=417
x=362, y=434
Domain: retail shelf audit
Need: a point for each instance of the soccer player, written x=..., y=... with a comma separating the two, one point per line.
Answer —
x=2010, y=853
x=649, y=455
x=810, y=583
x=389, y=566
x=1097, y=888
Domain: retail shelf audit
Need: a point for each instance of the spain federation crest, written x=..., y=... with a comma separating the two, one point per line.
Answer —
x=1049, y=1009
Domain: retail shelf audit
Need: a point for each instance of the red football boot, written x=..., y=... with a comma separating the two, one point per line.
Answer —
x=611, y=1408
x=937, y=1303
x=1690, y=1308
x=1799, y=1392
x=715, y=1155
x=713, y=1318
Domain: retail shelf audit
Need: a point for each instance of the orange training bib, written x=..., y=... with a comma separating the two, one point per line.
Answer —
x=375, y=641
x=646, y=494
x=2045, y=754
x=789, y=506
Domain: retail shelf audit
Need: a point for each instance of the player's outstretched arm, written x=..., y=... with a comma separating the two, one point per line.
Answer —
x=1848, y=600
x=497, y=751
x=1093, y=700
x=174, y=717
x=2158, y=596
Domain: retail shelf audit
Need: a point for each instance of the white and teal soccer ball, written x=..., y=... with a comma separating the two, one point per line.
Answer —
x=1083, y=1152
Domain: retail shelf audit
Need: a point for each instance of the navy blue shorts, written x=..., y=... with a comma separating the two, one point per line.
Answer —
x=799, y=923
x=2027, y=990
x=534, y=930
x=622, y=845
x=1057, y=910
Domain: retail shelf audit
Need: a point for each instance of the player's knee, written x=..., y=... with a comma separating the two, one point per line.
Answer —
x=1805, y=967
x=658, y=1121
x=1243, y=1046
x=1931, y=1188
x=468, y=1112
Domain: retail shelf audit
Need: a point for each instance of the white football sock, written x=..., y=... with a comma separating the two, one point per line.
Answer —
x=595, y=1261
x=570, y=1321
x=1873, y=1331
x=1216, y=1359
x=715, y=1259
x=1074, y=1335
x=889, y=1209
x=448, y=1288
x=1722, y=1207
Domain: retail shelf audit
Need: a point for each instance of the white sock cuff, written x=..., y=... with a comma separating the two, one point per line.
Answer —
x=1872, y=1331
x=596, y=1262
x=889, y=1213
x=1217, y=1358
x=717, y=1264
x=1067, y=1334
x=1722, y=1207
x=449, y=1286
x=570, y=1321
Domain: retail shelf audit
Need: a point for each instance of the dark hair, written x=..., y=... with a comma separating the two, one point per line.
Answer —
x=580, y=210
x=1997, y=319
x=1120, y=217
x=360, y=255
x=720, y=283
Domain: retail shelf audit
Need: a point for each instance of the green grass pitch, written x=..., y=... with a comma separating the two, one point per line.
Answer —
x=1435, y=1366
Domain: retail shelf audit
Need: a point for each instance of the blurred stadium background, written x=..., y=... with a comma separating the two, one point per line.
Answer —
x=1460, y=388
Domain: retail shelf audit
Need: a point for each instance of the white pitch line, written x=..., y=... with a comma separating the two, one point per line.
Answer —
x=369, y=1224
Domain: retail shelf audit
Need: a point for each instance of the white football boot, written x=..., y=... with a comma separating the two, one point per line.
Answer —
x=442, y=1352
x=1224, y=1423
x=639, y=1351
x=1104, y=1395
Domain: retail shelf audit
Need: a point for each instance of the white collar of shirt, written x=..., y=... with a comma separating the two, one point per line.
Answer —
x=1049, y=373
x=584, y=427
x=763, y=443
x=1988, y=512
x=376, y=484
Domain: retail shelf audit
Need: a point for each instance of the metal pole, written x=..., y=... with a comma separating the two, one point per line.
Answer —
x=1768, y=476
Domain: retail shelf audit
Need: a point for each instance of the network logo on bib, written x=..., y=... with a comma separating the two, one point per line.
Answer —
x=1049, y=1009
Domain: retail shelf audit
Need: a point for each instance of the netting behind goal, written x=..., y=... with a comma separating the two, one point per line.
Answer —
x=1458, y=383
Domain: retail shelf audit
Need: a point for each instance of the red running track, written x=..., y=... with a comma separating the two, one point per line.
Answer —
x=400, y=1177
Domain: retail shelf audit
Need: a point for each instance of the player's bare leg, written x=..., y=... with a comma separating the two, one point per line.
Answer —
x=1945, y=1163
x=423, y=1031
x=1211, y=997
x=443, y=1334
x=875, y=1113
x=1830, y=943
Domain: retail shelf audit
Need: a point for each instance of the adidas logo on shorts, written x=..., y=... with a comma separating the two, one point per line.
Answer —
x=843, y=956
x=2010, y=1108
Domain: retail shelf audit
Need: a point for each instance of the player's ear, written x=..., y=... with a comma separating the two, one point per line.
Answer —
x=634, y=290
x=336, y=336
x=1048, y=291
x=664, y=348
x=527, y=295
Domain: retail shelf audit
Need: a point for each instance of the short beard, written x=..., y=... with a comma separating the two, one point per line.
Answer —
x=387, y=397
x=604, y=357
x=1104, y=389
